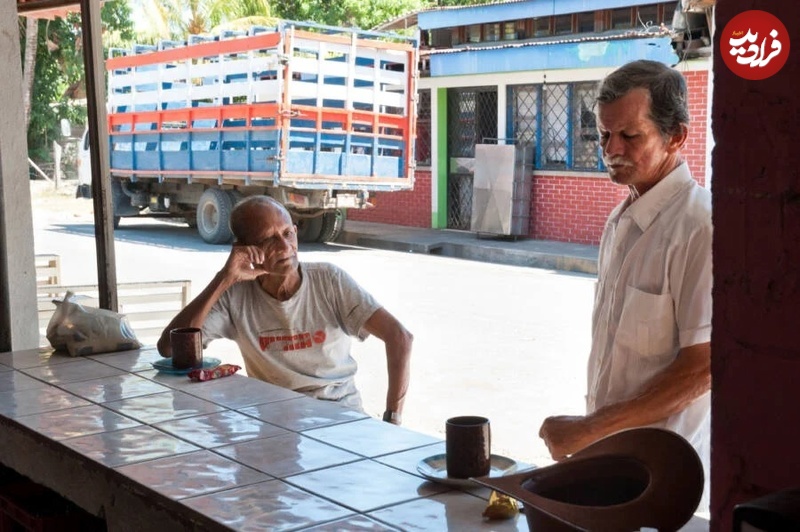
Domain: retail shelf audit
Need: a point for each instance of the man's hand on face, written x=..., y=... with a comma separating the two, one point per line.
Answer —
x=245, y=263
x=565, y=435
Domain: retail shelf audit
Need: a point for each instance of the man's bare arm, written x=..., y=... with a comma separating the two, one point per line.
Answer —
x=244, y=263
x=667, y=393
x=398, y=354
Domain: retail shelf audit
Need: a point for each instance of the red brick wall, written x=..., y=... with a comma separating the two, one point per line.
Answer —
x=695, y=149
x=572, y=209
x=567, y=209
x=410, y=208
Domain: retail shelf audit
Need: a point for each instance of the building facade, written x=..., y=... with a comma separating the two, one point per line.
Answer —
x=525, y=72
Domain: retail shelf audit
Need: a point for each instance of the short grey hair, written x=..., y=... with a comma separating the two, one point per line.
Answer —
x=669, y=107
x=241, y=214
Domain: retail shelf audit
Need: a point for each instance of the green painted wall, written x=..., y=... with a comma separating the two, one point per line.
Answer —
x=439, y=179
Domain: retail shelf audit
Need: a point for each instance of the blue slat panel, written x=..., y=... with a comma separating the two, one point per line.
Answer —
x=561, y=56
x=300, y=162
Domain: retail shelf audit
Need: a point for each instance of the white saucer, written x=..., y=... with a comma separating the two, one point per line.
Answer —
x=435, y=468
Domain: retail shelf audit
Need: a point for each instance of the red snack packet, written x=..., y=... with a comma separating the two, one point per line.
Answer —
x=223, y=370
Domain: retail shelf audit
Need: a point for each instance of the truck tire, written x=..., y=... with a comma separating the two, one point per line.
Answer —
x=332, y=225
x=309, y=229
x=213, y=216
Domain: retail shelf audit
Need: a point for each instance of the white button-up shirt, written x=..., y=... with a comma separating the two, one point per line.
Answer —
x=653, y=297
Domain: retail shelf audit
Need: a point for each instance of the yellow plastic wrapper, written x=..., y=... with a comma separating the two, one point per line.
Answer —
x=501, y=506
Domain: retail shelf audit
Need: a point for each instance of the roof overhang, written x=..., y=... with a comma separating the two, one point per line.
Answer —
x=48, y=9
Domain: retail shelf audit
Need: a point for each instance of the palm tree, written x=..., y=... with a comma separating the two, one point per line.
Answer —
x=175, y=19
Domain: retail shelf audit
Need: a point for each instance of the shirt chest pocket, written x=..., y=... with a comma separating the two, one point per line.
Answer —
x=647, y=323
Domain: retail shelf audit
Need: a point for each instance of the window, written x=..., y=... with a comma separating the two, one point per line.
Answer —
x=509, y=31
x=423, y=144
x=585, y=22
x=474, y=33
x=440, y=39
x=621, y=18
x=455, y=36
x=669, y=13
x=647, y=15
x=558, y=120
x=541, y=27
x=492, y=32
x=563, y=24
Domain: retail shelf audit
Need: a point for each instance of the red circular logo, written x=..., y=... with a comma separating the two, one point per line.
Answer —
x=318, y=337
x=754, y=44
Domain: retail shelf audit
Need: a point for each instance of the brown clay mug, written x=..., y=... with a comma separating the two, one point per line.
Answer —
x=187, y=347
x=468, y=443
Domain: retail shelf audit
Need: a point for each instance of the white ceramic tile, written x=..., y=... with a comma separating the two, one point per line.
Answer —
x=358, y=523
x=129, y=446
x=447, y=511
x=36, y=401
x=16, y=381
x=370, y=437
x=191, y=474
x=365, y=485
x=288, y=454
x=75, y=422
x=29, y=358
x=165, y=406
x=222, y=428
x=271, y=505
x=79, y=370
x=238, y=391
x=304, y=413
x=114, y=388
x=408, y=460
x=130, y=360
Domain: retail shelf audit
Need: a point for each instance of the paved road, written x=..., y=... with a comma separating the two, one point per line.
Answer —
x=506, y=342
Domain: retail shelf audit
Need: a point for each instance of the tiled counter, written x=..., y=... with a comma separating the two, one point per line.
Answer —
x=147, y=450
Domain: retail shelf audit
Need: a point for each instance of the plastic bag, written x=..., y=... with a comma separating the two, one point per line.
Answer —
x=82, y=330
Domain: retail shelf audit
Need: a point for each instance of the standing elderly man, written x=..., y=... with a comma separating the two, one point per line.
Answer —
x=651, y=326
x=293, y=321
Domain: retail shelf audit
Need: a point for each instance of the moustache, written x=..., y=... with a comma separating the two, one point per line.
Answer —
x=616, y=161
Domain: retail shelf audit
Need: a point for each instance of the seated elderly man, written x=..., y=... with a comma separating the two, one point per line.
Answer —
x=293, y=321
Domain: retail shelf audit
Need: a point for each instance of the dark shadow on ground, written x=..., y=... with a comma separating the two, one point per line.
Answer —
x=172, y=235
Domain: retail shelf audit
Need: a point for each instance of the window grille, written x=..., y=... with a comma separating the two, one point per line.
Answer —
x=423, y=144
x=471, y=119
x=555, y=123
x=559, y=121
x=525, y=98
x=585, y=139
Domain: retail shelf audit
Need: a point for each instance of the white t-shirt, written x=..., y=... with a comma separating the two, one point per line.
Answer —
x=653, y=297
x=303, y=343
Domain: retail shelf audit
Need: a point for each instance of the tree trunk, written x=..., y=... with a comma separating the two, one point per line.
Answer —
x=29, y=66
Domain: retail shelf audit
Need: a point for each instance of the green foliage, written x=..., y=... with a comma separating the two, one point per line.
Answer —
x=363, y=14
x=59, y=72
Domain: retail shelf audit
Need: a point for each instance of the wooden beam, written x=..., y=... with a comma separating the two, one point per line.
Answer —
x=98, y=152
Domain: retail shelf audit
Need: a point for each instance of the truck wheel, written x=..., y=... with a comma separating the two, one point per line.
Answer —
x=213, y=216
x=332, y=225
x=309, y=229
x=236, y=196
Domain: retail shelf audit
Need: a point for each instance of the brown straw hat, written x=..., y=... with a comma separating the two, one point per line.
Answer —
x=635, y=478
